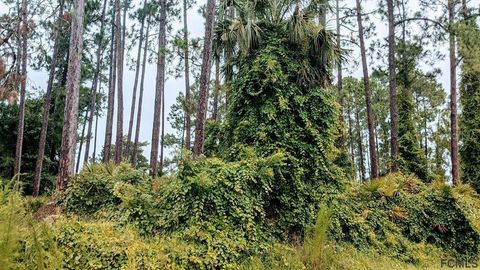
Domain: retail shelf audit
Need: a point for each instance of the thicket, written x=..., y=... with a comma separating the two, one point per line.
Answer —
x=211, y=217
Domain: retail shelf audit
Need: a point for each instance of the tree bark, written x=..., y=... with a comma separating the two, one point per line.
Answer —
x=140, y=98
x=453, y=97
x=350, y=135
x=163, y=131
x=23, y=89
x=360, y=145
x=47, y=104
x=93, y=91
x=95, y=137
x=368, y=102
x=216, y=91
x=119, y=46
x=135, y=84
x=188, y=102
x=339, y=66
x=204, y=78
x=111, y=96
x=393, y=87
x=160, y=84
x=69, y=134
x=82, y=138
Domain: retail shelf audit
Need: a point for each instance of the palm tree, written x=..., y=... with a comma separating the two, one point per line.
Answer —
x=244, y=33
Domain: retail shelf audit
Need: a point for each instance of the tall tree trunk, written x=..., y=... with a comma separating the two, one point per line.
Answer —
x=228, y=64
x=94, y=155
x=119, y=46
x=368, y=102
x=339, y=66
x=453, y=97
x=350, y=135
x=160, y=84
x=322, y=16
x=93, y=90
x=204, y=78
x=216, y=91
x=135, y=84
x=69, y=134
x=163, y=131
x=393, y=87
x=23, y=90
x=47, y=104
x=360, y=145
x=111, y=96
x=140, y=98
x=188, y=102
x=82, y=138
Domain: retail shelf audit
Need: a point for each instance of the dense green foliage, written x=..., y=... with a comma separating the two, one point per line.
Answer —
x=211, y=217
x=399, y=215
x=272, y=109
x=412, y=157
x=470, y=98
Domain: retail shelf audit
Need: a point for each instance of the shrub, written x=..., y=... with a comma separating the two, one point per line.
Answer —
x=92, y=190
x=398, y=214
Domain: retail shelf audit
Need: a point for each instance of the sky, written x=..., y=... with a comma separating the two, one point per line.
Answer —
x=38, y=79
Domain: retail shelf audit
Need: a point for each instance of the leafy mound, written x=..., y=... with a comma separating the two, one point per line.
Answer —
x=279, y=102
x=398, y=215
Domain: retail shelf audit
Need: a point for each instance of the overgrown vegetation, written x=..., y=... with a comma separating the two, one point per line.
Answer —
x=212, y=217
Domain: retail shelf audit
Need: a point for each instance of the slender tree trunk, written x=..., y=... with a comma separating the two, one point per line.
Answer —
x=322, y=16
x=425, y=126
x=350, y=136
x=163, y=131
x=393, y=87
x=204, y=78
x=188, y=102
x=135, y=84
x=368, y=102
x=47, y=104
x=69, y=134
x=228, y=60
x=82, y=138
x=216, y=92
x=96, y=78
x=140, y=98
x=23, y=89
x=339, y=66
x=94, y=155
x=360, y=145
x=160, y=84
x=119, y=46
x=453, y=97
x=111, y=97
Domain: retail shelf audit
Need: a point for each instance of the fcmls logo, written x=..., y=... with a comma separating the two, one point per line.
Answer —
x=459, y=263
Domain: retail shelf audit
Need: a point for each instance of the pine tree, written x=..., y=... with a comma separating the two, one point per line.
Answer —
x=469, y=39
x=69, y=134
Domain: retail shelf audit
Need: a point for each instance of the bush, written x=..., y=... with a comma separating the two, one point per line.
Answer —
x=398, y=215
x=93, y=189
